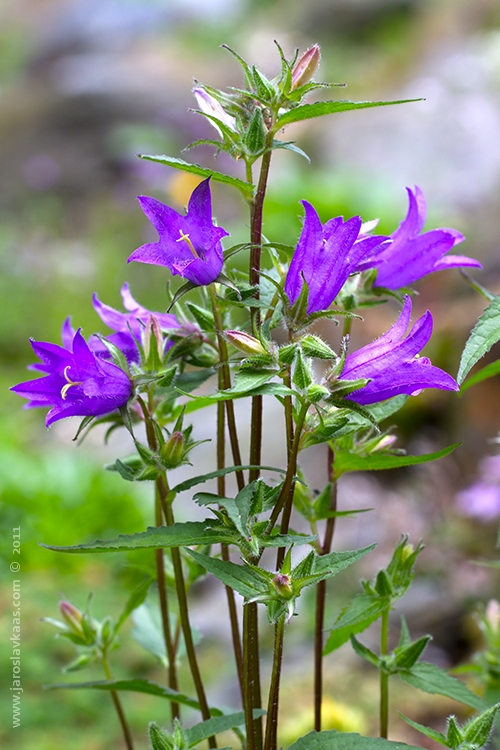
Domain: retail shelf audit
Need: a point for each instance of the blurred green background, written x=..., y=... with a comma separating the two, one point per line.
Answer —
x=85, y=85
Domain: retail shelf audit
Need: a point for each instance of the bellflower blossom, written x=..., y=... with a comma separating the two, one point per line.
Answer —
x=190, y=246
x=78, y=383
x=130, y=325
x=412, y=255
x=391, y=364
x=325, y=256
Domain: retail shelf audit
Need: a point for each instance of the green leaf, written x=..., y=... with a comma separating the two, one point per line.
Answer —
x=432, y=679
x=364, y=652
x=242, y=578
x=290, y=146
x=308, y=111
x=356, y=617
x=247, y=380
x=193, y=481
x=285, y=540
x=136, y=598
x=483, y=374
x=255, y=136
x=185, y=166
x=135, y=686
x=436, y=736
x=407, y=657
x=333, y=740
x=218, y=724
x=485, y=333
x=345, y=461
x=203, y=317
x=478, y=730
x=156, y=537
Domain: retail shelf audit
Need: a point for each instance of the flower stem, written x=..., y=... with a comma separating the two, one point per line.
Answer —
x=221, y=490
x=384, y=677
x=320, y=602
x=270, y=742
x=225, y=384
x=180, y=587
x=127, y=735
x=251, y=676
x=287, y=511
x=165, y=618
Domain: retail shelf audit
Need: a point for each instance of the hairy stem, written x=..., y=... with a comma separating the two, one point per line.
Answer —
x=251, y=676
x=384, y=677
x=287, y=511
x=270, y=742
x=180, y=588
x=127, y=735
x=225, y=384
x=165, y=618
x=324, y=549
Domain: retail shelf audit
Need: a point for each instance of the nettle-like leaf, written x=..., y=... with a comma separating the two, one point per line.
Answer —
x=333, y=740
x=432, y=679
x=357, y=616
x=308, y=111
x=485, y=333
x=170, y=161
x=346, y=461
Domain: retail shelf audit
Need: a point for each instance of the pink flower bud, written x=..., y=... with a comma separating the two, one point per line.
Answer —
x=210, y=106
x=244, y=342
x=71, y=616
x=282, y=584
x=306, y=66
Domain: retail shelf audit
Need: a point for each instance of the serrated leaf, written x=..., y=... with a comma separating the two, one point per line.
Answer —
x=436, y=736
x=135, y=686
x=255, y=136
x=406, y=657
x=432, y=679
x=485, y=333
x=193, y=481
x=242, y=578
x=248, y=380
x=308, y=111
x=333, y=740
x=185, y=166
x=156, y=537
x=356, y=617
x=345, y=461
x=483, y=374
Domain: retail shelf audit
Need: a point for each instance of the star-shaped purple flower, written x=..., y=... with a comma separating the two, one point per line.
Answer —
x=190, y=246
x=78, y=383
x=412, y=255
x=392, y=365
x=325, y=256
x=129, y=326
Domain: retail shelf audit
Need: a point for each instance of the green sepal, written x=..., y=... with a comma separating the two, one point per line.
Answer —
x=314, y=346
x=406, y=657
x=365, y=653
x=263, y=86
x=117, y=355
x=454, y=735
x=383, y=584
x=159, y=739
x=286, y=354
x=255, y=135
x=166, y=377
x=302, y=374
x=477, y=731
x=246, y=68
x=203, y=317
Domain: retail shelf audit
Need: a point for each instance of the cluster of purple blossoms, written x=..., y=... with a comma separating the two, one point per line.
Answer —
x=81, y=380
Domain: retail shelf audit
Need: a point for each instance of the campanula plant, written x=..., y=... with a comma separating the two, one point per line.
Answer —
x=250, y=336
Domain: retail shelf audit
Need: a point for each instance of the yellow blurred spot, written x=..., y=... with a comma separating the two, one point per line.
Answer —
x=335, y=715
x=181, y=187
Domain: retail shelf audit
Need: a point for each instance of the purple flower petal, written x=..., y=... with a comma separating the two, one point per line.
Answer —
x=391, y=365
x=190, y=246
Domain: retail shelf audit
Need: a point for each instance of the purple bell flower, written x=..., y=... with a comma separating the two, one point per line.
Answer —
x=412, y=255
x=78, y=383
x=392, y=365
x=190, y=246
x=130, y=325
x=325, y=256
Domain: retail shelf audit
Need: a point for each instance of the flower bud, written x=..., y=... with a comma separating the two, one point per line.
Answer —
x=210, y=106
x=244, y=342
x=406, y=552
x=306, y=66
x=316, y=392
x=282, y=584
x=383, y=443
x=172, y=452
x=72, y=617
